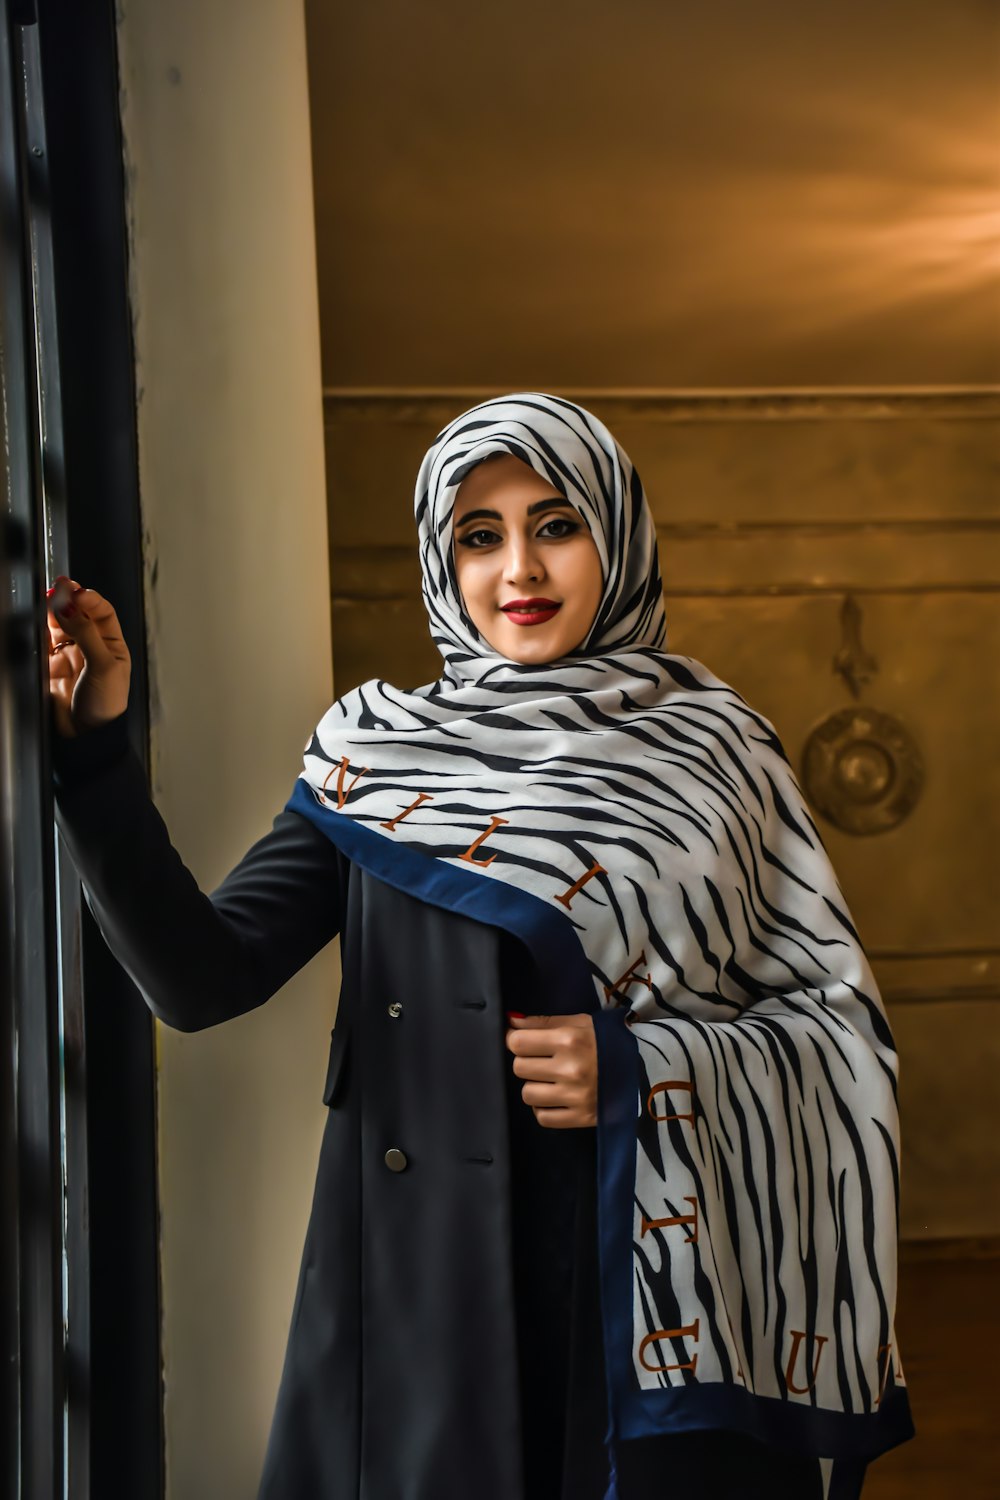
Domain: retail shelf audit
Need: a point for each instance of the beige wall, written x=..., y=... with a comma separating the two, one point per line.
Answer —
x=215, y=113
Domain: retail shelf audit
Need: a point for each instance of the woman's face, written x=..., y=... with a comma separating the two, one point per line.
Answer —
x=518, y=541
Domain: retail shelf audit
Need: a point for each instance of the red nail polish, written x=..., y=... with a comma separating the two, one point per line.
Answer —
x=50, y=592
x=516, y=1015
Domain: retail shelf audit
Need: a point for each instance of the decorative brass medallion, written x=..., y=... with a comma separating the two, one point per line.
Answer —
x=861, y=768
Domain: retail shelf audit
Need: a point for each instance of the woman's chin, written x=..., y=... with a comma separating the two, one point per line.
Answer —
x=530, y=646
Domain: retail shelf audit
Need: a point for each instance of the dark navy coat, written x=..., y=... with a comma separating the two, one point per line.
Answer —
x=445, y=1339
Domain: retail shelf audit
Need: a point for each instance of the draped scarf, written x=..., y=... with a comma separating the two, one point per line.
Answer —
x=638, y=826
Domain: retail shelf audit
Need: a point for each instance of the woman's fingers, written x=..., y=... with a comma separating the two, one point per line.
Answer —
x=557, y=1034
x=556, y=1059
x=565, y=1119
x=58, y=637
x=65, y=656
x=65, y=666
x=89, y=662
x=548, y=1069
x=551, y=1095
x=65, y=660
x=59, y=596
x=86, y=617
x=561, y=1112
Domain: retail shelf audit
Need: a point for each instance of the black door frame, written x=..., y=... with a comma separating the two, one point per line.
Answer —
x=83, y=1094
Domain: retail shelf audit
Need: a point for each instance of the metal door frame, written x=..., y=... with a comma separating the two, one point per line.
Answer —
x=82, y=1386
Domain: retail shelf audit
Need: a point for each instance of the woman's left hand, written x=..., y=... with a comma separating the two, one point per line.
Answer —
x=558, y=1057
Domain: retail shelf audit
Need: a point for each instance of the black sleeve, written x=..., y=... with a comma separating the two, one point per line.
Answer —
x=197, y=959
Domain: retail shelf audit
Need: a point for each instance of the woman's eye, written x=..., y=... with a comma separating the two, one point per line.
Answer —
x=561, y=521
x=483, y=537
x=469, y=539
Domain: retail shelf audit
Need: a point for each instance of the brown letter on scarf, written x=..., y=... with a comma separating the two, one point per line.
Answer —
x=629, y=977
x=567, y=896
x=690, y=1332
x=342, y=796
x=495, y=824
x=690, y=1239
x=797, y=1337
x=659, y=1088
x=424, y=797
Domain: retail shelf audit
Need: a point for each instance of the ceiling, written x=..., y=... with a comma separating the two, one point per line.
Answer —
x=652, y=195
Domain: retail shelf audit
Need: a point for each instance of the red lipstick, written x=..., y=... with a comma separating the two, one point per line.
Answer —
x=530, y=611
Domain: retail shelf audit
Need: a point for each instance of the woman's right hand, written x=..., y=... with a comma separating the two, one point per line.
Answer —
x=89, y=663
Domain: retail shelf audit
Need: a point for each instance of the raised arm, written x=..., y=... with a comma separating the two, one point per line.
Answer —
x=197, y=958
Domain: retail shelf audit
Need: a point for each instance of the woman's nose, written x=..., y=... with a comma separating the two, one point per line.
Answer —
x=522, y=562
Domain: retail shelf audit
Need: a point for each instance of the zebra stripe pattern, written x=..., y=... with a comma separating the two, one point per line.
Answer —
x=654, y=810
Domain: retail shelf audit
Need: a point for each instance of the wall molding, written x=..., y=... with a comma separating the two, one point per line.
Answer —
x=438, y=405
x=971, y=1247
x=926, y=526
x=930, y=976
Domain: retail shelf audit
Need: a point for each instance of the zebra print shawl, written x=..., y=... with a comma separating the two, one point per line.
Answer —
x=637, y=824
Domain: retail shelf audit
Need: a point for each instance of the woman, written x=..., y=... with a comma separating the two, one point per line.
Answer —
x=639, y=1240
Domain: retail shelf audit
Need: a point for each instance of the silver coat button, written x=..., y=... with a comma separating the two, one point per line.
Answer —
x=395, y=1160
x=395, y=1009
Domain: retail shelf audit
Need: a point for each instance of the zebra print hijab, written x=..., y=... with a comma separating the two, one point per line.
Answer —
x=578, y=455
x=637, y=824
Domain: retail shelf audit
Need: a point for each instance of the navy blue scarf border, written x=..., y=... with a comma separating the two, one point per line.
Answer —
x=569, y=989
x=548, y=935
x=639, y=1413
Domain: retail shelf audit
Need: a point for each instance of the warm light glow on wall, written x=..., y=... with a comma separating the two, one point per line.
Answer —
x=683, y=196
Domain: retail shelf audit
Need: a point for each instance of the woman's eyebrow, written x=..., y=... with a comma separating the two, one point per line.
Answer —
x=494, y=515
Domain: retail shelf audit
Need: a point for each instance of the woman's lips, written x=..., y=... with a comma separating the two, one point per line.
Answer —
x=531, y=612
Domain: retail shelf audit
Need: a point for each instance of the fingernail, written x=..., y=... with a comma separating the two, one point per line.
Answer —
x=517, y=1015
x=50, y=592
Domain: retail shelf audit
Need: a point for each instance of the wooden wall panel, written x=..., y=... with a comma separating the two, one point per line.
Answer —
x=949, y=1063
x=772, y=510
